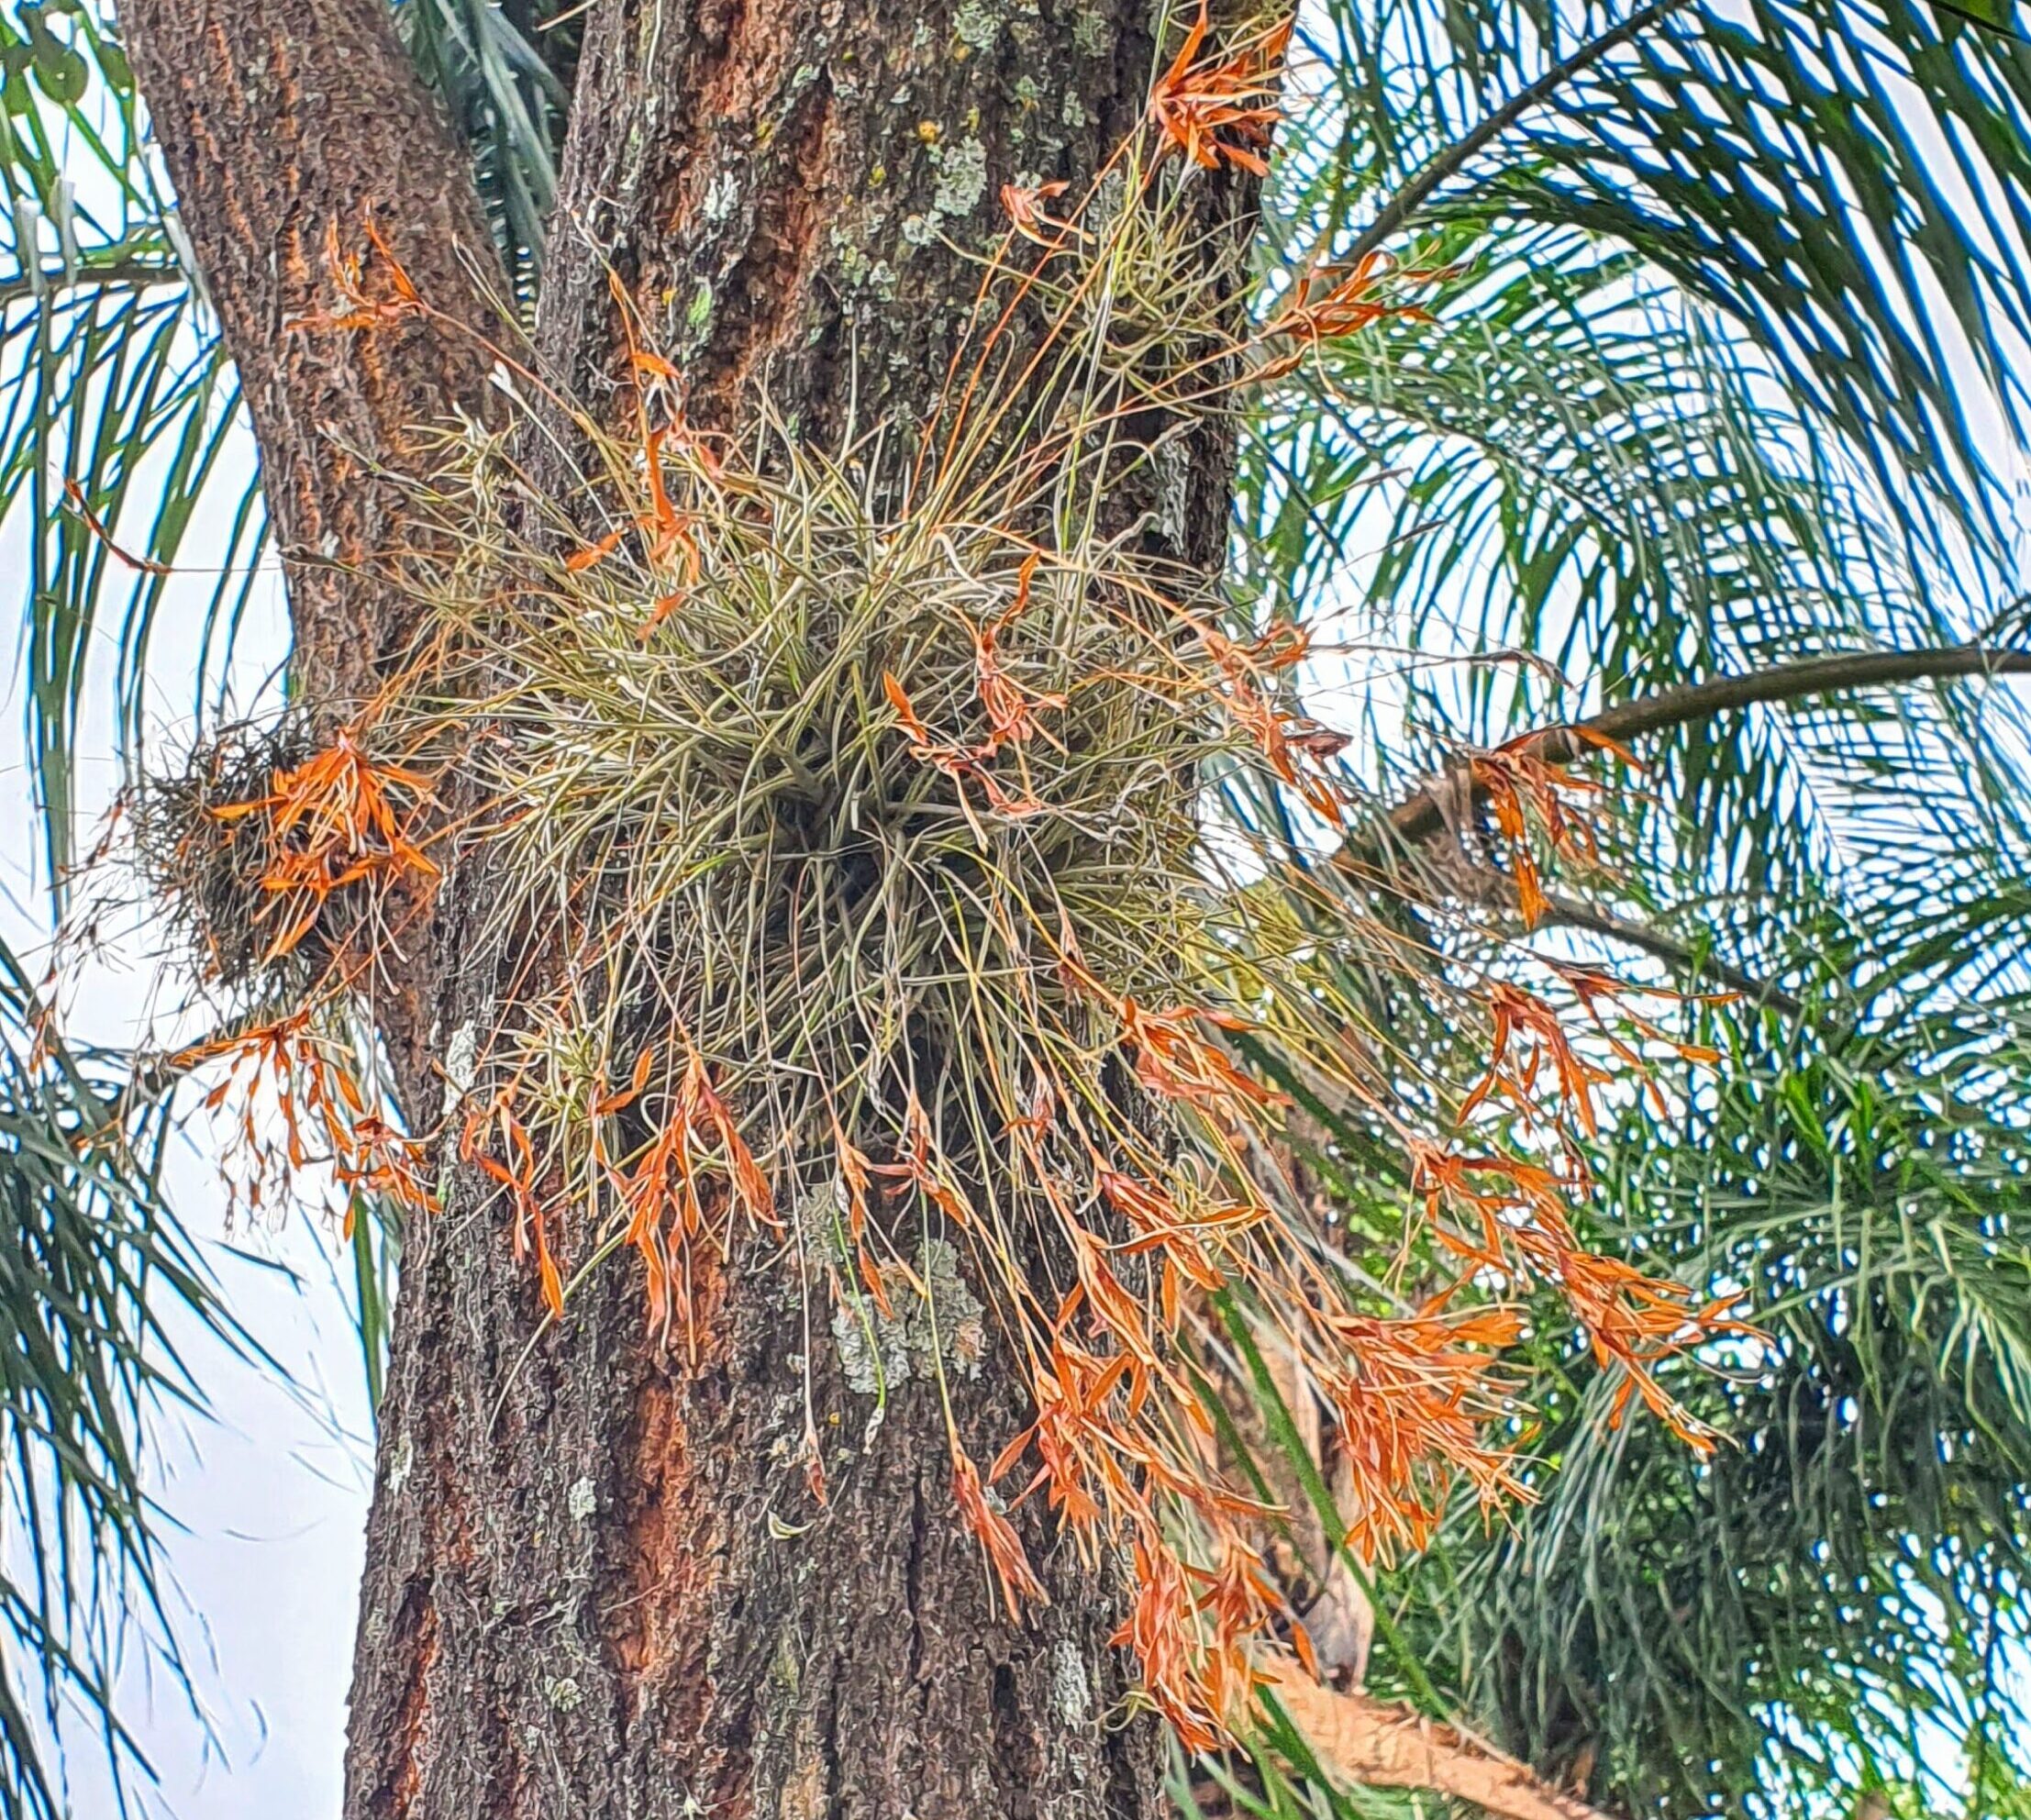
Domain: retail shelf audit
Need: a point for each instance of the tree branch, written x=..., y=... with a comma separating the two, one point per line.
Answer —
x=1571, y=914
x=1422, y=816
x=1412, y=196
x=1377, y=1743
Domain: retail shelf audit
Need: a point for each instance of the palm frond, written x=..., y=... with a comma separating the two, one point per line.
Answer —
x=90, y=1265
x=1722, y=370
x=503, y=80
x=1769, y=1628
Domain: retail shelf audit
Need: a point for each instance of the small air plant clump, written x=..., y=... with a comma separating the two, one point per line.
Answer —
x=276, y=856
x=283, y=864
x=204, y=870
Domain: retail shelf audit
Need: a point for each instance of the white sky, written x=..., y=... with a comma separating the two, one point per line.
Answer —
x=266, y=1499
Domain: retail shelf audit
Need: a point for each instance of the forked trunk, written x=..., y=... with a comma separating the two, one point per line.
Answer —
x=597, y=1584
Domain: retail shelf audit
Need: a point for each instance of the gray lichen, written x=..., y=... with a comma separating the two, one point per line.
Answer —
x=975, y=24
x=1071, y=1700
x=720, y=196
x=1092, y=34
x=945, y=1323
x=962, y=177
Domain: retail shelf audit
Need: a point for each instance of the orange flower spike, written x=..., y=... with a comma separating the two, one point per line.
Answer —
x=670, y=530
x=1011, y=708
x=920, y=1169
x=592, y=554
x=1159, y=1225
x=547, y=1274
x=374, y=1156
x=1175, y=1063
x=348, y=279
x=1222, y=111
x=1113, y=1308
x=398, y=279
x=1346, y=303
x=333, y=821
x=657, y=1194
x=855, y=1174
x=1161, y=1630
x=997, y=1535
x=923, y=746
x=1025, y=212
x=1517, y=1013
x=750, y=1186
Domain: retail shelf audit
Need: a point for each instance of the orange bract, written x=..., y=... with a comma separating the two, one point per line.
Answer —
x=1413, y=1402
x=497, y=1143
x=1285, y=742
x=1174, y=1062
x=1227, y=110
x=1525, y=1020
x=1521, y=787
x=348, y=271
x=1161, y=1629
x=315, y=1098
x=337, y=820
x=996, y=1535
x=1334, y=301
x=1026, y=213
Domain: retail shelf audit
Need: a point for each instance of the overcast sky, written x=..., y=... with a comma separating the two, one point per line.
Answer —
x=268, y=1498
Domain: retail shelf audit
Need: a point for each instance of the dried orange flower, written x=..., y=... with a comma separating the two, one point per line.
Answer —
x=997, y=1535
x=1226, y=110
x=1333, y=301
x=1025, y=212
x=337, y=819
x=348, y=271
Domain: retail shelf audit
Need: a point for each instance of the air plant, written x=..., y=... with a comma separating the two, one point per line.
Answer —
x=860, y=811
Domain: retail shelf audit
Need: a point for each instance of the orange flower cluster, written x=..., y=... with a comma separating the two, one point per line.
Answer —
x=315, y=1096
x=670, y=537
x=337, y=820
x=1413, y=1402
x=1297, y=749
x=359, y=309
x=1517, y=1224
x=1013, y=713
x=1522, y=787
x=696, y=1155
x=1331, y=302
x=497, y=1143
x=1225, y=111
x=1025, y=209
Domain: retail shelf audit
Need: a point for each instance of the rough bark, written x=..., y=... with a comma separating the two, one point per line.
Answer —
x=290, y=127
x=596, y=1583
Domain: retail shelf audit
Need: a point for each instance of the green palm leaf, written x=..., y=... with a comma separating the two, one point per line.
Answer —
x=1724, y=368
x=89, y=1263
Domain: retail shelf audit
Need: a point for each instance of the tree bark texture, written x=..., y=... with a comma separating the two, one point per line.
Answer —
x=596, y=1583
x=291, y=128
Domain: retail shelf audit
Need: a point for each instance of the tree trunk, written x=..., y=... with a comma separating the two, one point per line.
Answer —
x=596, y=1582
